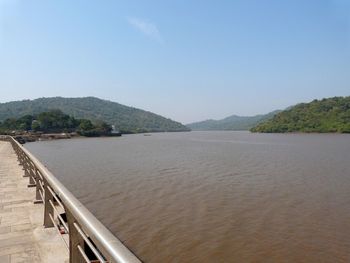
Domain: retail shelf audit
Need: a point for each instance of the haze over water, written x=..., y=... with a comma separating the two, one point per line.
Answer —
x=214, y=196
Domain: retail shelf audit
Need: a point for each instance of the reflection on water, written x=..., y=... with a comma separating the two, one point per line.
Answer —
x=214, y=196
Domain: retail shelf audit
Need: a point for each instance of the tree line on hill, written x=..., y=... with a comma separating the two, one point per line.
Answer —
x=125, y=119
x=54, y=121
x=231, y=123
x=89, y=116
x=326, y=115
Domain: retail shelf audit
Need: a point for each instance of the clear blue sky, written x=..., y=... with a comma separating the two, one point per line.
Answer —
x=187, y=60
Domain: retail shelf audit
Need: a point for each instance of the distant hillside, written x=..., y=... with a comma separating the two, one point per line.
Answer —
x=125, y=119
x=231, y=123
x=326, y=115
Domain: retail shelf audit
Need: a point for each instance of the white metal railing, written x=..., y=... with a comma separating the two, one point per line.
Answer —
x=86, y=238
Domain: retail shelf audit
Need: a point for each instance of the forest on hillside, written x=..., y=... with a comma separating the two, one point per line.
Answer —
x=326, y=115
x=54, y=121
x=231, y=123
x=124, y=118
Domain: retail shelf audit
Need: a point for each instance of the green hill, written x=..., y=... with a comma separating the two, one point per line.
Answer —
x=125, y=119
x=233, y=122
x=326, y=115
x=55, y=121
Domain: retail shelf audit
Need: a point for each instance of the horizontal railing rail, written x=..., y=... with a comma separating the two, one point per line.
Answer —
x=86, y=238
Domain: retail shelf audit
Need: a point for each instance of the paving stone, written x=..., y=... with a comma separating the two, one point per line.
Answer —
x=15, y=239
x=21, y=227
x=5, y=259
x=4, y=230
x=16, y=249
x=22, y=235
x=5, y=210
x=27, y=256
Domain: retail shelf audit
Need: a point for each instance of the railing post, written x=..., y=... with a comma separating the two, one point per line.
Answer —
x=19, y=156
x=38, y=197
x=75, y=240
x=29, y=171
x=48, y=209
x=26, y=170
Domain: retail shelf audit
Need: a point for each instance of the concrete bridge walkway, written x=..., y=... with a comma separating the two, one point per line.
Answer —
x=22, y=235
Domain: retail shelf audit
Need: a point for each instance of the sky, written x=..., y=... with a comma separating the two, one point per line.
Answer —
x=185, y=60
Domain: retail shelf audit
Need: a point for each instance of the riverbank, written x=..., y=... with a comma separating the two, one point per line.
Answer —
x=25, y=137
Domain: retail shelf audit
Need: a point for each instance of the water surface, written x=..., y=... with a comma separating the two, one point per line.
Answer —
x=214, y=196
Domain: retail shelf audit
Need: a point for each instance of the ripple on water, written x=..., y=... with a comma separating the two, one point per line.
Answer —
x=214, y=196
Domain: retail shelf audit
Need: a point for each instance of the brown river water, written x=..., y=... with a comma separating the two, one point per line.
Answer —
x=214, y=196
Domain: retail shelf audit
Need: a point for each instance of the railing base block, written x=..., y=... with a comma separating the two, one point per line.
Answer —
x=38, y=201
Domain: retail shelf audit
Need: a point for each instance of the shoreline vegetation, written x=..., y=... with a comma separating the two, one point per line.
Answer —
x=330, y=115
x=125, y=119
x=53, y=124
